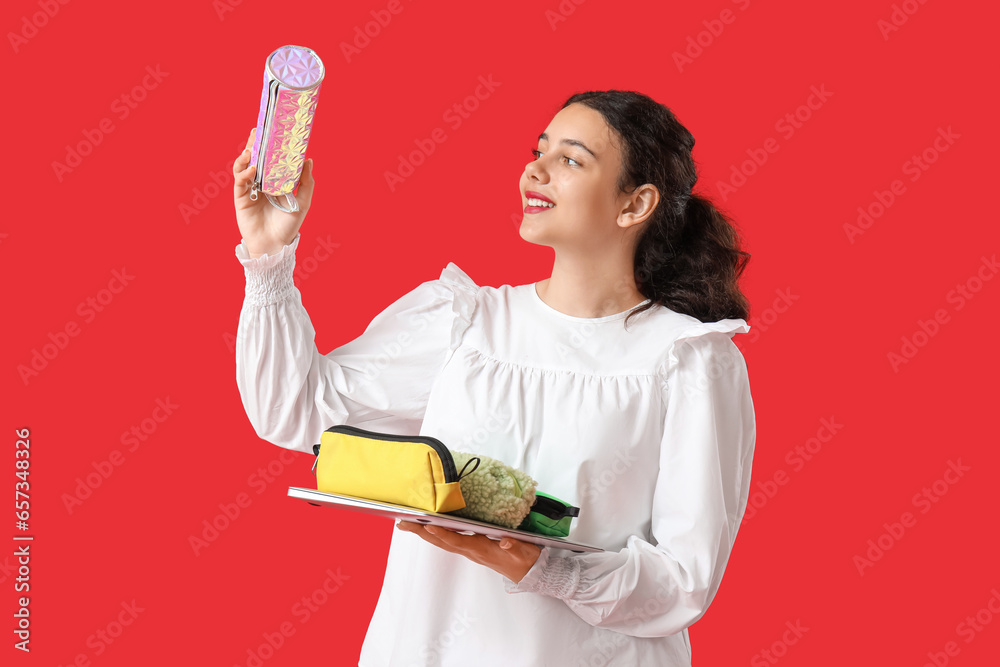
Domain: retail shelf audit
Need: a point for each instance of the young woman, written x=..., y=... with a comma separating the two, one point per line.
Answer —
x=614, y=383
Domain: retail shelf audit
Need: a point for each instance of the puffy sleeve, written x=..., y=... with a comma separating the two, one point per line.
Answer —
x=381, y=380
x=659, y=587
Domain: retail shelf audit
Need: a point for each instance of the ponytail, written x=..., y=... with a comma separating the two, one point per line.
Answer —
x=688, y=257
x=692, y=263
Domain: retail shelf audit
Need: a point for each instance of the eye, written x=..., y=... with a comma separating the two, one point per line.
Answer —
x=537, y=154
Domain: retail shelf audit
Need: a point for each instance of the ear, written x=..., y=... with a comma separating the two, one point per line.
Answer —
x=639, y=206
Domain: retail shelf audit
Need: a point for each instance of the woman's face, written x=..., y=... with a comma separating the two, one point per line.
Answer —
x=576, y=168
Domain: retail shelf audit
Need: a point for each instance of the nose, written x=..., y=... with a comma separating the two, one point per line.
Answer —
x=535, y=171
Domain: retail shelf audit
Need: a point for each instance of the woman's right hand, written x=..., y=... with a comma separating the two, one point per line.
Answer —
x=265, y=229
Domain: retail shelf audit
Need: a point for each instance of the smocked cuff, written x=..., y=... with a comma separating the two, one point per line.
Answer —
x=550, y=575
x=269, y=277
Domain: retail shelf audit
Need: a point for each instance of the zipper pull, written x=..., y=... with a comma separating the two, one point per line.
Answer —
x=253, y=191
x=463, y=473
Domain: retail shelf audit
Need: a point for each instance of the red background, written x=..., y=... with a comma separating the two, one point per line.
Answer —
x=168, y=333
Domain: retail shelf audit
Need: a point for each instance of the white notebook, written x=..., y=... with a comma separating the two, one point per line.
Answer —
x=450, y=521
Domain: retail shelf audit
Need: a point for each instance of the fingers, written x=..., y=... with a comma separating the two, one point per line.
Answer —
x=306, y=186
x=470, y=546
x=243, y=174
x=436, y=535
x=241, y=163
x=450, y=540
x=243, y=171
x=244, y=159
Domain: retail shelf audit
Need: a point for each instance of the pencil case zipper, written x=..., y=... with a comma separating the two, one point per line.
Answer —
x=451, y=473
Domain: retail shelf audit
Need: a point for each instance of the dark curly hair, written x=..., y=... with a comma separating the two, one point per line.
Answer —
x=688, y=256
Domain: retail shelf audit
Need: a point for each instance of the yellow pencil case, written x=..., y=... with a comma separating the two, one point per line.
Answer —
x=415, y=471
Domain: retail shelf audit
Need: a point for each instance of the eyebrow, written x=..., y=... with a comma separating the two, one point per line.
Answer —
x=571, y=142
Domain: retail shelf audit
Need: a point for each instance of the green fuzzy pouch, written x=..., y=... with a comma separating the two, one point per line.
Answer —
x=549, y=516
x=495, y=492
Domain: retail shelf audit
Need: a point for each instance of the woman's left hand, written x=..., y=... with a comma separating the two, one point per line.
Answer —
x=511, y=558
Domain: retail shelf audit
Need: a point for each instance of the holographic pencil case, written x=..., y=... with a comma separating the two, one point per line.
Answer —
x=292, y=79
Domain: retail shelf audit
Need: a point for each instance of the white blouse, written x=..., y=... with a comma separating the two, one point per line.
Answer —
x=650, y=432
